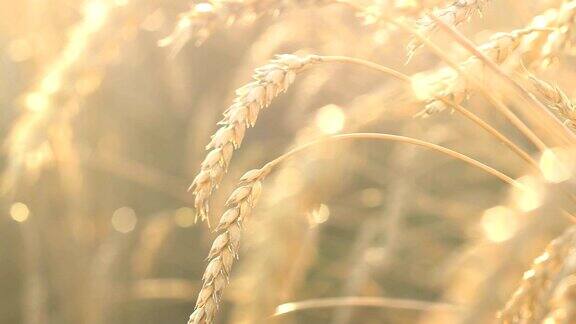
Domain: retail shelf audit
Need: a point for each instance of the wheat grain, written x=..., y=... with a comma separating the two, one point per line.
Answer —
x=525, y=302
x=454, y=14
x=557, y=99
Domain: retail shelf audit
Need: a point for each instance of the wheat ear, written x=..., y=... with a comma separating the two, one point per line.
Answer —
x=541, y=40
x=525, y=304
x=563, y=303
x=243, y=199
x=557, y=100
x=268, y=82
x=454, y=14
x=540, y=113
x=200, y=21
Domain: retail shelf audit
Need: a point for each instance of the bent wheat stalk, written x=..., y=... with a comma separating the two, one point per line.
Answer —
x=244, y=198
x=268, y=82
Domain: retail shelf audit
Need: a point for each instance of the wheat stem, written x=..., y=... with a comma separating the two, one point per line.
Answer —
x=468, y=114
x=375, y=66
x=397, y=138
x=501, y=137
x=383, y=302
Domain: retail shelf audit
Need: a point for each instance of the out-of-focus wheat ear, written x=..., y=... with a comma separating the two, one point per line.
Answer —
x=269, y=81
x=226, y=245
x=454, y=14
x=196, y=23
x=557, y=100
x=526, y=305
x=563, y=303
x=541, y=40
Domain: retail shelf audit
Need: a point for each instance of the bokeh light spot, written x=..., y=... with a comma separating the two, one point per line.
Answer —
x=19, y=212
x=184, y=217
x=330, y=119
x=499, y=223
x=553, y=167
x=321, y=214
x=124, y=220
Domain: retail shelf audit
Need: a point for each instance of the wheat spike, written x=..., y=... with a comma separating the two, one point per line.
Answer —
x=454, y=14
x=199, y=22
x=269, y=81
x=563, y=303
x=538, y=43
x=225, y=247
x=525, y=304
x=557, y=99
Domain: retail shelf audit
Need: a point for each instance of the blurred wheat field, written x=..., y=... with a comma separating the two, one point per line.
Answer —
x=264, y=161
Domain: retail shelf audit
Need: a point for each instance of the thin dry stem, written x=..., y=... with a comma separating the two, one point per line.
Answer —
x=380, y=302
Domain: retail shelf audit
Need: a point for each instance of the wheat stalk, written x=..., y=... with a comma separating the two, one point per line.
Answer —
x=268, y=82
x=525, y=304
x=454, y=14
x=557, y=99
x=243, y=199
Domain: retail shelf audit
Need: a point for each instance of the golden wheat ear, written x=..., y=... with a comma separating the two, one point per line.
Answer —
x=454, y=14
x=529, y=302
x=269, y=81
x=556, y=99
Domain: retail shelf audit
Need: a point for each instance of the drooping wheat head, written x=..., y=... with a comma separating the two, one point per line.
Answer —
x=541, y=41
x=454, y=14
x=526, y=302
x=269, y=81
x=226, y=245
x=200, y=21
x=556, y=99
x=563, y=302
